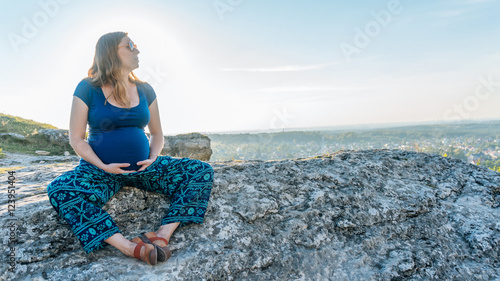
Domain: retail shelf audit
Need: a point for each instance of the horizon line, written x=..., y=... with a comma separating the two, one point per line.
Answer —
x=357, y=126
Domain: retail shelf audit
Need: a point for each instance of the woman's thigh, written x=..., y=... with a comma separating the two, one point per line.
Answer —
x=168, y=174
x=85, y=181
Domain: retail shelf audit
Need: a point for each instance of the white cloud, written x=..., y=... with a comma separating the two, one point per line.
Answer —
x=282, y=68
x=309, y=89
x=476, y=1
x=451, y=13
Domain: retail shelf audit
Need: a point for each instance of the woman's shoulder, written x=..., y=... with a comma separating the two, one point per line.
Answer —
x=148, y=91
x=144, y=85
x=85, y=90
x=87, y=82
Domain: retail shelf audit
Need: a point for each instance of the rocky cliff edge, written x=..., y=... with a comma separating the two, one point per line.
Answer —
x=355, y=215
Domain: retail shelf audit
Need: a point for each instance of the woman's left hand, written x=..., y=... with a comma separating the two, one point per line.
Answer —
x=145, y=163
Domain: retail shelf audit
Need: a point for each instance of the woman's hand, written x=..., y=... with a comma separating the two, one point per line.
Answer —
x=146, y=163
x=116, y=168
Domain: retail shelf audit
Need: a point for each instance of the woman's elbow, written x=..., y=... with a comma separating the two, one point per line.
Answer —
x=75, y=142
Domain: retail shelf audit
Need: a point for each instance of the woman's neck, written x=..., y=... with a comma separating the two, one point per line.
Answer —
x=125, y=78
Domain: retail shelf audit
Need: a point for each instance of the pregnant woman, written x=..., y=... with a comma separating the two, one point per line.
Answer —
x=117, y=106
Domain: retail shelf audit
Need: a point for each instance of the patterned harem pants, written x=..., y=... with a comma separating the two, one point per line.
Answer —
x=78, y=195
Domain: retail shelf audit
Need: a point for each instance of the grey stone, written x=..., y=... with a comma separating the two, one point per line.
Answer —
x=192, y=145
x=17, y=159
x=355, y=215
x=56, y=136
x=14, y=136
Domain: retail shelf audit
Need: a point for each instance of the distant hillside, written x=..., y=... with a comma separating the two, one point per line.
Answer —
x=473, y=142
x=33, y=140
x=445, y=130
x=25, y=127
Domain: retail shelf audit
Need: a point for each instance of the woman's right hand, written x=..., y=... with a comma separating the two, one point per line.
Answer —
x=116, y=168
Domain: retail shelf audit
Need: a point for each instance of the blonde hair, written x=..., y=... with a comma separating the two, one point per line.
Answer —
x=106, y=67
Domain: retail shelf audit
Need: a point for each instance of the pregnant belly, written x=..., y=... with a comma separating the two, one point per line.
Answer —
x=121, y=145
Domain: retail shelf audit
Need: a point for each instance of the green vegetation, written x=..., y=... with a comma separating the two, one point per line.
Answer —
x=472, y=142
x=18, y=125
x=33, y=141
x=477, y=142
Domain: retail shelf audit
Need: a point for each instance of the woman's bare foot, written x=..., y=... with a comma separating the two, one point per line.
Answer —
x=148, y=252
x=166, y=231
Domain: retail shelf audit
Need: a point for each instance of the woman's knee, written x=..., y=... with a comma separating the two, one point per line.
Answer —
x=59, y=185
x=208, y=179
x=207, y=170
x=56, y=190
x=62, y=181
x=54, y=187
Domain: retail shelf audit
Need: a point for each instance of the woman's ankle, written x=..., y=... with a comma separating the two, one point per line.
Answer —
x=122, y=244
x=167, y=230
x=129, y=250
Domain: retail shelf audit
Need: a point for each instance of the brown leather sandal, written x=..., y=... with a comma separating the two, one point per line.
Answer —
x=151, y=256
x=164, y=252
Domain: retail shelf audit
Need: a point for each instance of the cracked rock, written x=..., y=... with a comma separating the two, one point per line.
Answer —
x=355, y=215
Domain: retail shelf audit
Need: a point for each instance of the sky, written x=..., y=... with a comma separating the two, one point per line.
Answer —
x=261, y=65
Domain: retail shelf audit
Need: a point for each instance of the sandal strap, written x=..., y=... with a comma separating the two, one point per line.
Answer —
x=155, y=237
x=152, y=239
x=137, y=250
x=145, y=239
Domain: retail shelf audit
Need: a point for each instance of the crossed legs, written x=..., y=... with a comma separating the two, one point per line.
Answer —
x=78, y=196
x=127, y=247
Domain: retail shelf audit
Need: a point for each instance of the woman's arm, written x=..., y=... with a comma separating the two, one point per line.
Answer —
x=156, y=140
x=77, y=128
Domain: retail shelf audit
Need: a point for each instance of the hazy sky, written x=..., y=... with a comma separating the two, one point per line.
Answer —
x=234, y=65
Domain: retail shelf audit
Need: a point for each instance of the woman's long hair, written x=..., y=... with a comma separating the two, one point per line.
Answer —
x=106, y=67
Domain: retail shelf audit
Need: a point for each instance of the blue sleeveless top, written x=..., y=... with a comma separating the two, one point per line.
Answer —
x=117, y=134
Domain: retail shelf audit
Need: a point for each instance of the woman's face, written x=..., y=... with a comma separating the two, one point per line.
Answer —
x=129, y=58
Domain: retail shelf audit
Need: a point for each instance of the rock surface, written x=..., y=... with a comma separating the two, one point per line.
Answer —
x=355, y=215
x=23, y=160
x=56, y=136
x=14, y=136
